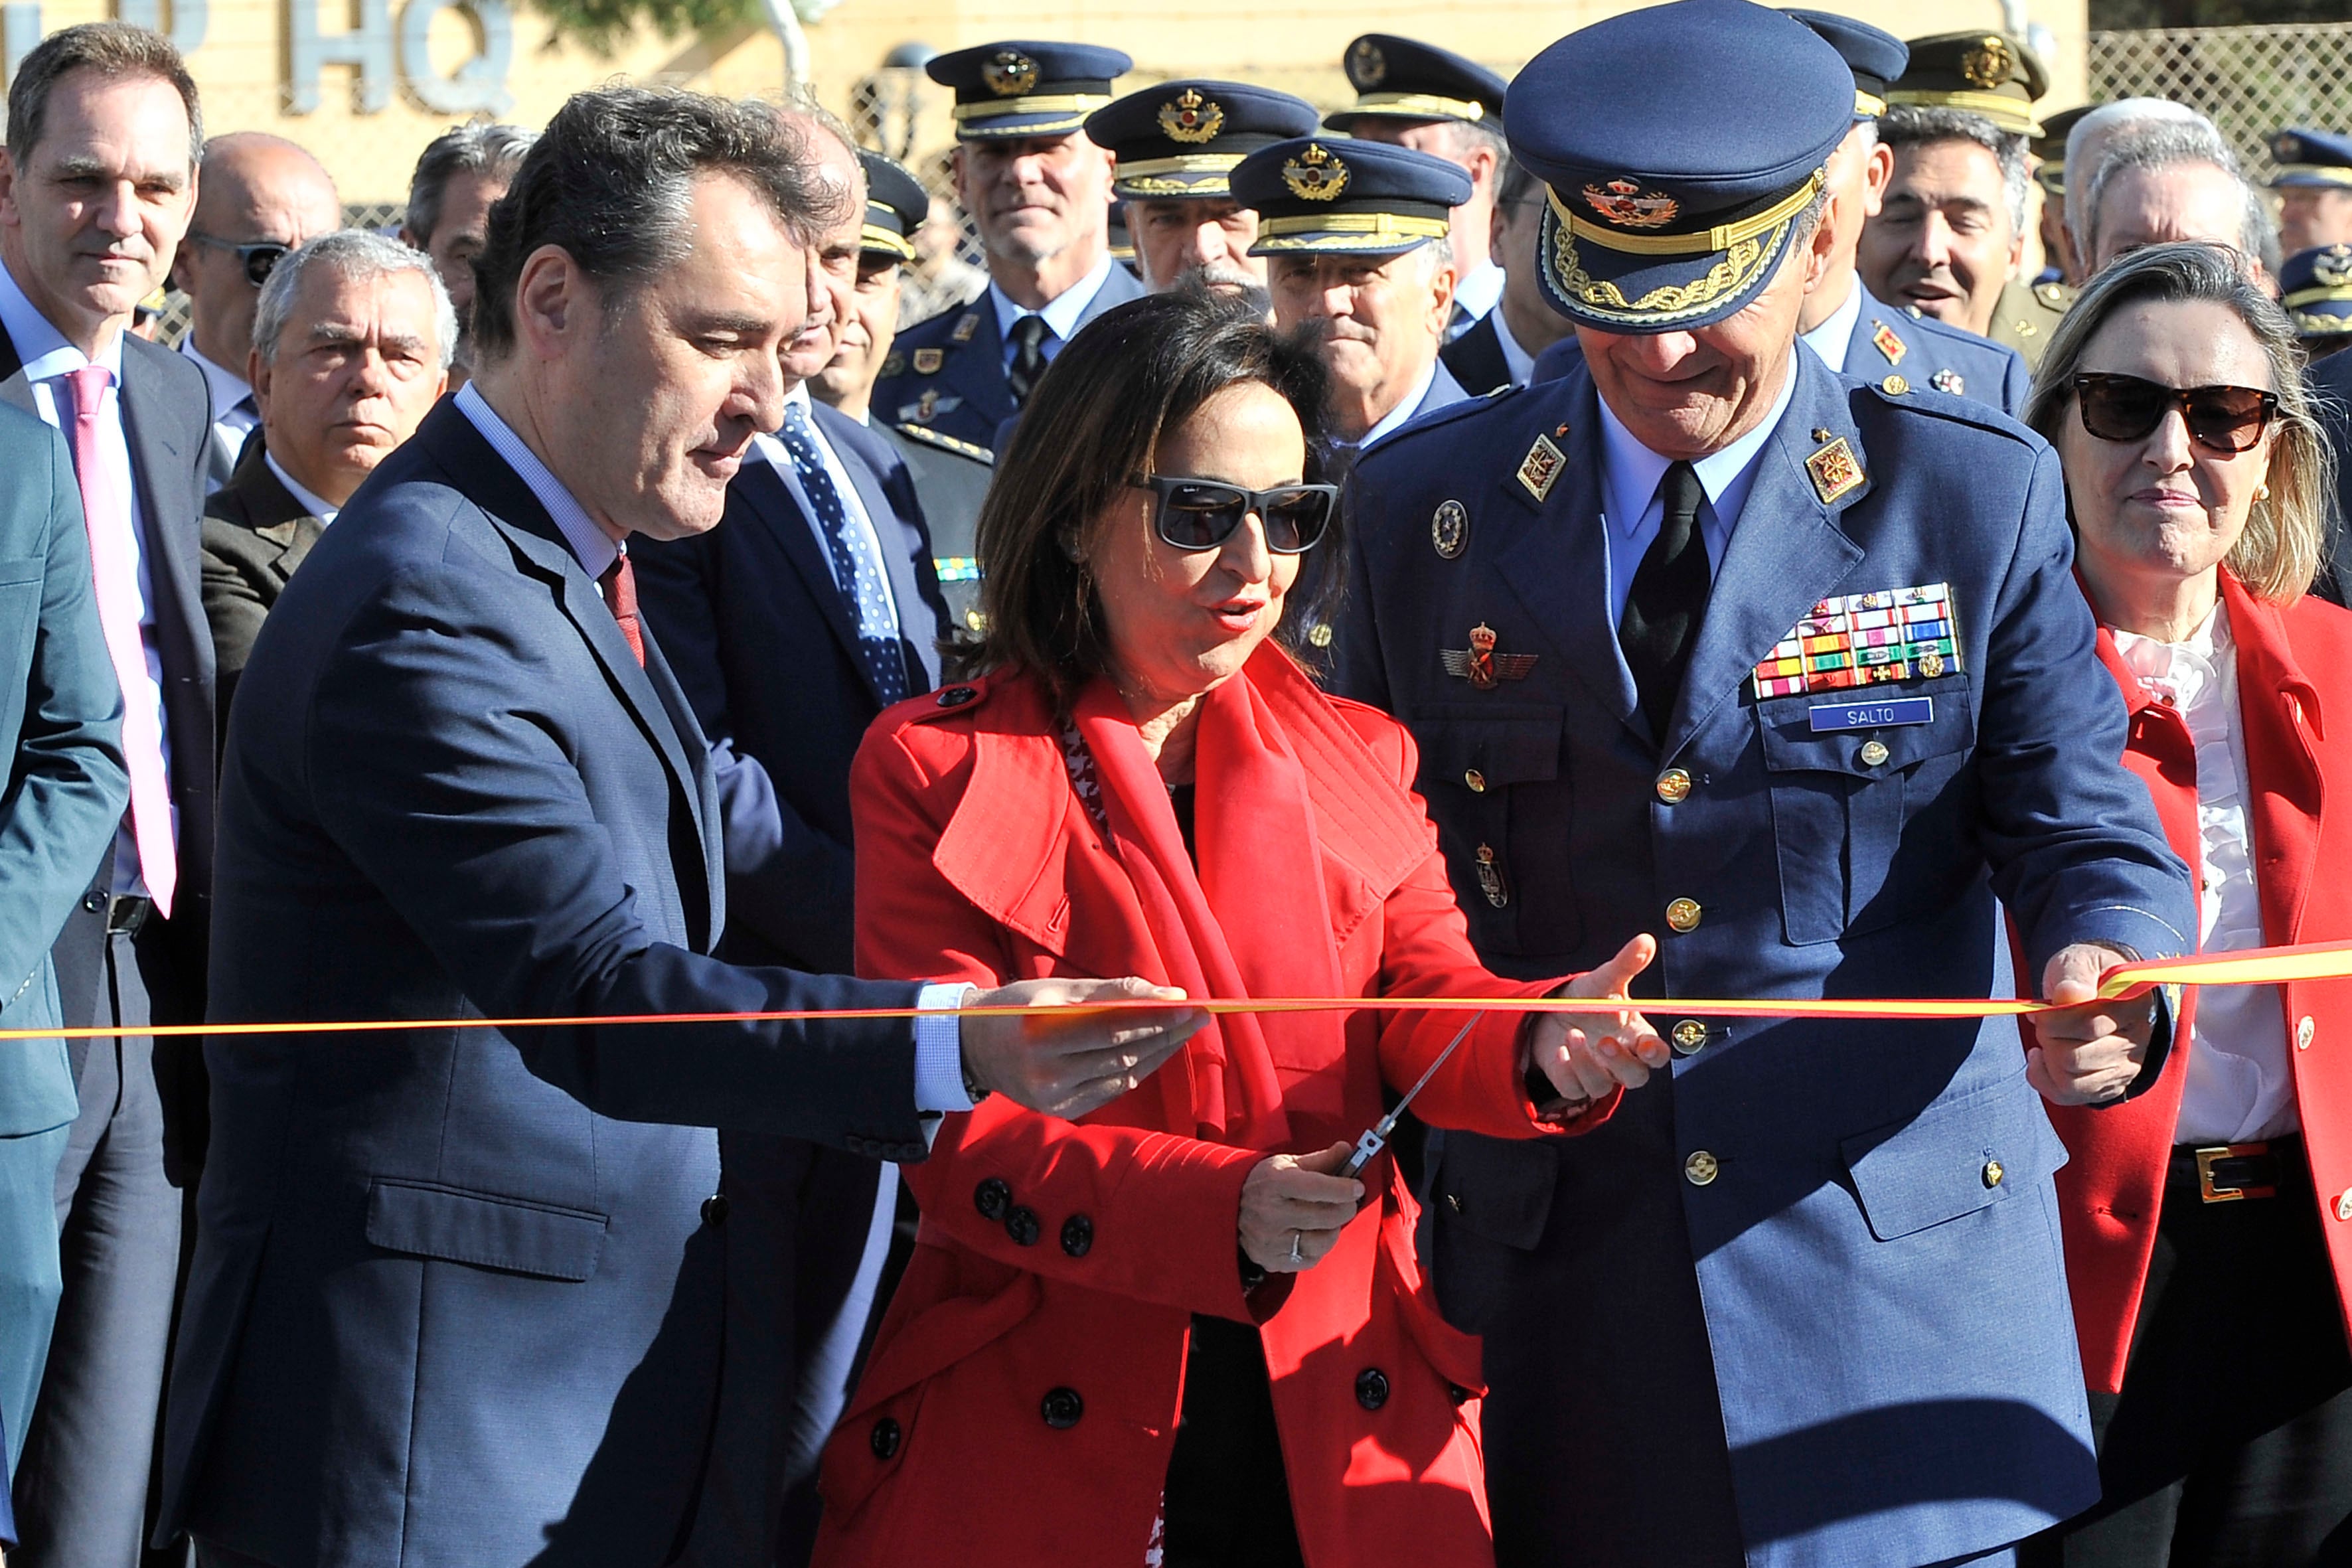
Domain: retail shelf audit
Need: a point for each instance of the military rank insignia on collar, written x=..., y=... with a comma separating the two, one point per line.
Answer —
x=1481, y=665
x=1835, y=471
x=1540, y=469
x=1887, y=343
x=1865, y=639
x=967, y=324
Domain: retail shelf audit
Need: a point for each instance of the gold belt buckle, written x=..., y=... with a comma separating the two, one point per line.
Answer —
x=2207, y=1157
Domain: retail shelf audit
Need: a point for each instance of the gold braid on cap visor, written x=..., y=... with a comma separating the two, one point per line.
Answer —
x=2007, y=114
x=1744, y=255
x=874, y=236
x=1342, y=231
x=1419, y=106
x=2335, y=172
x=1076, y=104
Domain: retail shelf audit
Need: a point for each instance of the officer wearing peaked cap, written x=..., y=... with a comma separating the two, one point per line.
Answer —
x=2316, y=286
x=1841, y=319
x=1435, y=101
x=2315, y=186
x=950, y=476
x=1794, y=684
x=1177, y=144
x=1355, y=234
x=1038, y=190
x=2058, y=262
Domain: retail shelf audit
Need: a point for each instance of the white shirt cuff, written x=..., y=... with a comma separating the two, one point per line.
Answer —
x=939, y=1050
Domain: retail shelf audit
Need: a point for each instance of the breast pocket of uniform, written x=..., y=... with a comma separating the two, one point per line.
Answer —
x=1493, y=776
x=1868, y=810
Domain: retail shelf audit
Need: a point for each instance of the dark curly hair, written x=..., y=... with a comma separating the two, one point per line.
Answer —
x=1095, y=420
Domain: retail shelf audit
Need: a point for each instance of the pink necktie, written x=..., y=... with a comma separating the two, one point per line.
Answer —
x=116, y=576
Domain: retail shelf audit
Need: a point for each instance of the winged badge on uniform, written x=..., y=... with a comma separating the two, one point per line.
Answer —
x=1481, y=665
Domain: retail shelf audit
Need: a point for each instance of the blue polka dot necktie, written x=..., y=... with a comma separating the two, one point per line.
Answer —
x=857, y=569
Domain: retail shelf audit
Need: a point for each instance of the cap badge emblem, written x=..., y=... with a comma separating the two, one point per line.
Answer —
x=2332, y=267
x=1540, y=469
x=1888, y=343
x=1627, y=205
x=1949, y=382
x=1367, y=67
x=1189, y=117
x=929, y=360
x=1481, y=665
x=1315, y=174
x=1449, y=530
x=1009, y=73
x=1988, y=64
x=2283, y=147
x=1835, y=471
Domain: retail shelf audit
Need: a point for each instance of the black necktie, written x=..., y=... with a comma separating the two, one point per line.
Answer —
x=1028, y=357
x=1668, y=600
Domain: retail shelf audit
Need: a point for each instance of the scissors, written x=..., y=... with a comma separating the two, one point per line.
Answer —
x=1377, y=1137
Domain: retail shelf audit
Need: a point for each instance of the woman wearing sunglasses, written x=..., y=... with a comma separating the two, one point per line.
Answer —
x=1175, y=1330
x=2209, y=1221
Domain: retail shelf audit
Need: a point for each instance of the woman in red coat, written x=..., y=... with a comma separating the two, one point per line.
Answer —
x=1173, y=1330
x=2209, y=1219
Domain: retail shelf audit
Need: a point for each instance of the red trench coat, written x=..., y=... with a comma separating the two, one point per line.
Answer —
x=2294, y=694
x=1021, y=1401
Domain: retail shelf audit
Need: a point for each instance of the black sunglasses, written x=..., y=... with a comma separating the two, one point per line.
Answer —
x=2220, y=418
x=1201, y=514
x=260, y=258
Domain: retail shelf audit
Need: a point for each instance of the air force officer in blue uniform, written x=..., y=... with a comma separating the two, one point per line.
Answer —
x=1705, y=641
x=1039, y=193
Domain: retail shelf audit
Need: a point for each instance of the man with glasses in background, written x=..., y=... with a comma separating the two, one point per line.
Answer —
x=257, y=197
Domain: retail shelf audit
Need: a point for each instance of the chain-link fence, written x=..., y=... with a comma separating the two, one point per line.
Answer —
x=2250, y=81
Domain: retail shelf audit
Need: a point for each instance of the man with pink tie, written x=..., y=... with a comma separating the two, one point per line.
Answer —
x=96, y=187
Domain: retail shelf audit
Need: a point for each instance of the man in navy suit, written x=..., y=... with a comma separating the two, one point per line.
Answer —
x=95, y=192
x=1791, y=672
x=821, y=567
x=61, y=731
x=473, y=1296
x=1039, y=193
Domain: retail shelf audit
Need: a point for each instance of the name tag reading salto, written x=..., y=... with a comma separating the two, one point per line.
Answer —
x=1831, y=716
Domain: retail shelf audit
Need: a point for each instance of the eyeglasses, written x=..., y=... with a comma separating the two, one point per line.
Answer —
x=259, y=260
x=2220, y=418
x=1201, y=514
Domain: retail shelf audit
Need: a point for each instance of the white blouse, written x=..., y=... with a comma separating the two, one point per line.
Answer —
x=2241, y=1086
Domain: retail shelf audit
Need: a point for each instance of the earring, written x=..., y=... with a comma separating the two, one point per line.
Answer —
x=2261, y=492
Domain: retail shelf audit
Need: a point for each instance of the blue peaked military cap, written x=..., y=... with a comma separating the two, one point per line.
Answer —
x=1183, y=138
x=1025, y=89
x=2316, y=286
x=2318, y=158
x=1335, y=197
x=895, y=206
x=1680, y=146
x=1875, y=56
x=1404, y=79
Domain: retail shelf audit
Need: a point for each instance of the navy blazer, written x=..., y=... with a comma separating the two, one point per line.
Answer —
x=765, y=647
x=1919, y=349
x=1475, y=358
x=61, y=737
x=1839, y=1242
x=457, y=1296
x=963, y=393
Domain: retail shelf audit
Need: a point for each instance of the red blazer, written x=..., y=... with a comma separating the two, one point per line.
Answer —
x=2295, y=692
x=1022, y=1396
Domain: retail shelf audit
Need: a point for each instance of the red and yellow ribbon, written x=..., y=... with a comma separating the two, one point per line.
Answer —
x=2254, y=966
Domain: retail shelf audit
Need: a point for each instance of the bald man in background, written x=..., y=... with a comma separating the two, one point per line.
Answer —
x=257, y=197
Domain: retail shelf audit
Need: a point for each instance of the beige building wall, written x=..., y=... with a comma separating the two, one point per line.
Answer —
x=369, y=125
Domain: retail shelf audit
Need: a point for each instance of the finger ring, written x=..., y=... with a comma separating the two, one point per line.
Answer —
x=1296, y=1256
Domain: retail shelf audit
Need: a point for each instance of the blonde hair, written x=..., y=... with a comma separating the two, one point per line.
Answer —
x=2278, y=553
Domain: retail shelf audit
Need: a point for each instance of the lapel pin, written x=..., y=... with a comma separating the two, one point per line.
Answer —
x=967, y=324
x=1887, y=343
x=1540, y=469
x=1449, y=530
x=928, y=361
x=1950, y=381
x=1834, y=471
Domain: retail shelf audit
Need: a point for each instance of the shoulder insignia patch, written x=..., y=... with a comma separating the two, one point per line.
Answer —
x=928, y=361
x=1886, y=341
x=1835, y=471
x=1540, y=469
x=1950, y=381
x=966, y=324
x=944, y=442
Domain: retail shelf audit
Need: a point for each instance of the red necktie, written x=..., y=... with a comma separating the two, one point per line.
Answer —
x=620, y=585
x=115, y=576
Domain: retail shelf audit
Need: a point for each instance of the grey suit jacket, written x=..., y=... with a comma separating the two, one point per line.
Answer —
x=255, y=534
